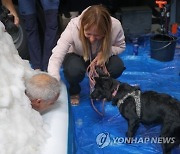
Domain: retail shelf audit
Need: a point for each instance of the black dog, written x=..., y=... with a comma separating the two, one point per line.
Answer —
x=147, y=107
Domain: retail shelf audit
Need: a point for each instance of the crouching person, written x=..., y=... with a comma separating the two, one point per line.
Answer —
x=43, y=91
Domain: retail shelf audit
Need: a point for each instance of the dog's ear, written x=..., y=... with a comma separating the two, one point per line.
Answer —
x=100, y=72
x=99, y=80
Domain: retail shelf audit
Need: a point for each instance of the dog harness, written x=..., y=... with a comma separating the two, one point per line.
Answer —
x=136, y=95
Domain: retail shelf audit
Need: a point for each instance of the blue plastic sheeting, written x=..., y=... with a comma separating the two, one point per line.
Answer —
x=95, y=134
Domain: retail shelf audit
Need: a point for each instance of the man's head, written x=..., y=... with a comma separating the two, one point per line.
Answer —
x=43, y=90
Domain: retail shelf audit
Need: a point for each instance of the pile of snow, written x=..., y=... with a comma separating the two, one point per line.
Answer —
x=22, y=130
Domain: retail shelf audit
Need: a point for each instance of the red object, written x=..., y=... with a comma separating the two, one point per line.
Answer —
x=161, y=3
x=174, y=28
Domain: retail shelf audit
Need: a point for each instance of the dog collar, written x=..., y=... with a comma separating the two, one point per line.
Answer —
x=136, y=95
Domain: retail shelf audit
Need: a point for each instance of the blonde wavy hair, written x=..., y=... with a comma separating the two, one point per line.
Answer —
x=98, y=16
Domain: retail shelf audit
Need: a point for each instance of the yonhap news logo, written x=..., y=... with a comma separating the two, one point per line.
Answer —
x=105, y=139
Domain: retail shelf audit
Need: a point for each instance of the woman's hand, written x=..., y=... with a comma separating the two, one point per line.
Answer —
x=98, y=60
x=16, y=19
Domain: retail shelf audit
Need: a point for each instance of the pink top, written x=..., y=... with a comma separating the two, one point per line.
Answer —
x=69, y=42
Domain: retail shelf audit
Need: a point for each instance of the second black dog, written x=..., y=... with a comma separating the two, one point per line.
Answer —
x=147, y=107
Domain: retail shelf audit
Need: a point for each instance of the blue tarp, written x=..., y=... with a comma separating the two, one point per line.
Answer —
x=94, y=134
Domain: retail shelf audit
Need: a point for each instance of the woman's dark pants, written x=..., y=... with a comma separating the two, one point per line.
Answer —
x=74, y=68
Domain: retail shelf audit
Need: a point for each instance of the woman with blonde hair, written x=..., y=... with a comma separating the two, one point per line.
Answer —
x=92, y=37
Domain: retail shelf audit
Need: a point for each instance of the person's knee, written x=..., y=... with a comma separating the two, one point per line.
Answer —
x=118, y=72
x=115, y=67
x=74, y=72
x=74, y=68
